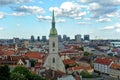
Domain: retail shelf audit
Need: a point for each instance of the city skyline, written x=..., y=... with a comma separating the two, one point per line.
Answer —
x=23, y=18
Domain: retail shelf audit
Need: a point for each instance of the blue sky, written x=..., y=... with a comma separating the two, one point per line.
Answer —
x=23, y=18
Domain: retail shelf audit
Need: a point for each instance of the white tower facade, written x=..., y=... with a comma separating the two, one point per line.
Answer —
x=53, y=60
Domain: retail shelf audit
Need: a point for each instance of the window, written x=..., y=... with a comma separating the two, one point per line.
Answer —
x=53, y=44
x=53, y=49
x=53, y=60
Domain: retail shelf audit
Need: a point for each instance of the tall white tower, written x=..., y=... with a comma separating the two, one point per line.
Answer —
x=53, y=60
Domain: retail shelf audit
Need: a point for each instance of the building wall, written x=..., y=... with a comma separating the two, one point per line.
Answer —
x=101, y=68
x=114, y=73
x=53, y=49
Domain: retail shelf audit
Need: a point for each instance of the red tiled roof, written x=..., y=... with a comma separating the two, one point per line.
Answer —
x=8, y=52
x=3, y=47
x=115, y=66
x=12, y=60
x=69, y=61
x=104, y=61
x=34, y=55
x=80, y=67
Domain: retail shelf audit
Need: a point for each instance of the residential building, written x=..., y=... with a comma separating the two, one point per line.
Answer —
x=102, y=65
x=115, y=70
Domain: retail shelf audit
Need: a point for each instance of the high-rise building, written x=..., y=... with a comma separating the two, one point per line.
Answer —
x=68, y=39
x=86, y=37
x=78, y=38
x=64, y=37
x=53, y=60
x=16, y=40
x=44, y=38
x=38, y=38
x=32, y=39
x=59, y=38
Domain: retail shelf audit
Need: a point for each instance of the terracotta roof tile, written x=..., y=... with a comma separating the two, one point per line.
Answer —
x=104, y=61
x=115, y=66
x=8, y=52
x=69, y=61
x=34, y=55
x=80, y=68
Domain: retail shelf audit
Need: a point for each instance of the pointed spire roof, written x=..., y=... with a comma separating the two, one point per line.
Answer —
x=53, y=31
x=53, y=18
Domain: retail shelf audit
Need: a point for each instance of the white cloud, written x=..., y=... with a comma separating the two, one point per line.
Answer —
x=60, y=20
x=88, y=19
x=2, y=15
x=115, y=27
x=94, y=6
x=1, y=28
x=29, y=9
x=40, y=18
x=100, y=8
x=104, y=20
x=7, y=2
x=84, y=1
x=69, y=9
x=108, y=28
x=49, y=18
x=83, y=23
x=117, y=30
x=17, y=14
x=114, y=14
x=105, y=2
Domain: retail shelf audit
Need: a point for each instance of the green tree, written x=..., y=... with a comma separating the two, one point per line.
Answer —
x=36, y=77
x=17, y=76
x=88, y=54
x=86, y=74
x=33, y=62
x=4, y=72
x=82, y=48
x=25, y=74
x=22, y=70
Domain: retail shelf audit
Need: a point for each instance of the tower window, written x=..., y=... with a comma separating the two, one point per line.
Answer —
x=53, y=49
x=53, y=44
x=53, y=60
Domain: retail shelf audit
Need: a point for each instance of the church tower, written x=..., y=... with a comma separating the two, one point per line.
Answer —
x=53, y=60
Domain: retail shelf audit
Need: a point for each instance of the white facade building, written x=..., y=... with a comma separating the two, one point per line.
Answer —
x=102, y=65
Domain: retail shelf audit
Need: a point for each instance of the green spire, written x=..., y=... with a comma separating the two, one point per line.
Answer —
x=53, y=31
x=53, y=18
